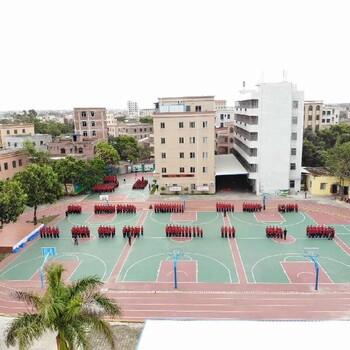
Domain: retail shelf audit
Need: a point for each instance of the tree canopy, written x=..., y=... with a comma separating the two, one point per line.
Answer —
x=41, y=185
x=127, y=147
x=12, y=201
x=71, y=310
x=107, y=153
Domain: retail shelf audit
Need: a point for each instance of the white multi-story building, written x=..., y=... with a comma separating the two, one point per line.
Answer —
x=224, y=116
x=330, y=116
x=268, y=136
x=133, y=108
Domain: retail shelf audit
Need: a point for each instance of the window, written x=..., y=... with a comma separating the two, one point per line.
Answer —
x=294, y=120
x=292, y=166
x=295, y=104
x=80, y=150
x=8, y=144
x=41, y=143
x=84, y=123
x=221, y=117
x=182, y=155
x=294, y=136
x=6, y=166
x=15, y=144
x=63, y=151
x=163, y=155
x=192, y=169
x=310, y=117
x=192, y=155
x=310, y=108
x=23, y=131
x=162, y=140
x=205, y=154
x=93, y=123
x=181, y=140
x=192, y=125
x=163, y=170
x=8, y=132
x=83, y=114
x=15, y=131
x=14, y=164
x=323, y=185
x=205, y=124
x=205, y=139
x=19, y=162
x=162, y=125
x=182, y=169
x=135, y=130
x=293, y=151
x=181, y=125
x=188, y=108
x=193, y=186
x=85, y=133
x=192, y=139
x=198, y=108
x=92, y=113
x=205, y=169
x=93, y=133
x=291, y=184
x=317, y=117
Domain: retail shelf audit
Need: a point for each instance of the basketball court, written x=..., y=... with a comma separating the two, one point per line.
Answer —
x=153, y=264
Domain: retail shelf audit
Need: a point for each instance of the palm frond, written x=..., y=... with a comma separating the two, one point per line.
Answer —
x=85, y=285
x=24, y=329
x=104, y=328
x=30, y=298
x=109, y=306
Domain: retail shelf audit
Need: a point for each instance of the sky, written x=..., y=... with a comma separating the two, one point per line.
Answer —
x=103, y=53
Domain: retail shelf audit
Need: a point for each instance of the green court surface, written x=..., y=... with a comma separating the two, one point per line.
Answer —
x=212, y=257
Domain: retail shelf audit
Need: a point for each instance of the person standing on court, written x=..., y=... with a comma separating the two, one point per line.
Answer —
x=285, y=233
x=129, y=238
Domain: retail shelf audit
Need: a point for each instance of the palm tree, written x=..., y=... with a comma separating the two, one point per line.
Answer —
x=72, y=310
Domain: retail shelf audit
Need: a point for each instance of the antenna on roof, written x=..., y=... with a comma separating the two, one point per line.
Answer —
x=284, y=75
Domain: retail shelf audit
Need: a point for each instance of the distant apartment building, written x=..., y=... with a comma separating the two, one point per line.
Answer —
x=184, y=144
x=147, y=112
x=138, y=131
x=269, y=136
x=224, y=139
x=91, y=123
x=219, y=104
x=133, y=108
x=313, y=115
x=224, y=116
x=11, y=162
x=14, y=129
x=40, y=141
x=330, y=116
x=76, y=146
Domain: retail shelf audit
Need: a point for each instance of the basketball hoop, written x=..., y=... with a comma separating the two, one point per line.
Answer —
x=313, y=253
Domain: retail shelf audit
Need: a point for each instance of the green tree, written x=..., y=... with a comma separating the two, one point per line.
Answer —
x=107, y=153
x=36, y=156
x=12, y=201
x=127, y=147
x=146, y=120
x=41, y=185
x=69, y=170
x=313, y=155
x=95, y=171
x=73, y=311
x=338, y=161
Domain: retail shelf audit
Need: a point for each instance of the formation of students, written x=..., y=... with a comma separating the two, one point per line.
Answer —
x=104, y=209
x=320, y=231
x=73, y=209
x=49, y=232
x=132, y=231
x=110, y=187
x=111, y=179
x=183, y=231
x=80, y=231
x=287, y=208
x=125, y=208
x=276, y=232
x=225, y=207
x=168, y=208
x=228, y=231
x=140, y=184
x=106, y=231
x=251, y=207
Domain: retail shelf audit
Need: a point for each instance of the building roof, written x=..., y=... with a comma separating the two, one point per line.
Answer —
x=228, y=164
x=318, y=171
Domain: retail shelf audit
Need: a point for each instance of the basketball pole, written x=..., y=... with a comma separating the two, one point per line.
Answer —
x=317, y=271
x=175, y=269
x=42, y=271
